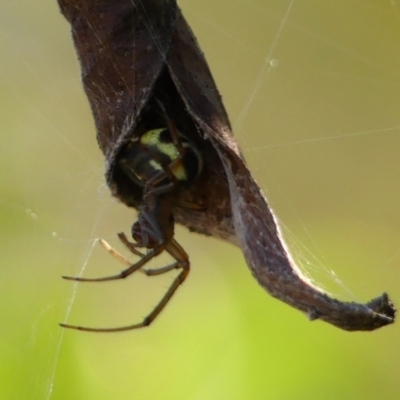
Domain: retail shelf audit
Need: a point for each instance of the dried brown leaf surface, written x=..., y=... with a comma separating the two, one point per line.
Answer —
x=135, y=52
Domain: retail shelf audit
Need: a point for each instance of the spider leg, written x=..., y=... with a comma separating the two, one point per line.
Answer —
x=131, y=246
x=172, y=129
x=107, y=247
x=155, y=191
x=127, y=243
x=175, y=250
x=123, y=260
x=191, y=206
x=126, y=272
x=162, y=270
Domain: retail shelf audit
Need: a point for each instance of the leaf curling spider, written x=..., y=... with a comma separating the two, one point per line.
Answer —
x=164, y=162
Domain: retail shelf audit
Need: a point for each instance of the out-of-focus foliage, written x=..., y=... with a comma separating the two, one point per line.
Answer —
x=320, y=129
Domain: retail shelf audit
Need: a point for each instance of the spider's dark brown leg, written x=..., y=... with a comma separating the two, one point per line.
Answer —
x=162, y=270
x=126, y=272
x=131, y=246
x=172, y=130
x=176, y=251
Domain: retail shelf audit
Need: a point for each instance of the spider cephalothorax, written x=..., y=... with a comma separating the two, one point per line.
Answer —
x=164, y=162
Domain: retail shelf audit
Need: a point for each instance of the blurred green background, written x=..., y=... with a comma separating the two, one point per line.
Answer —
x=312, y=88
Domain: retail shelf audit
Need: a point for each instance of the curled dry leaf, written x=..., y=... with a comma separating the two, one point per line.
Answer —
x=135, y=53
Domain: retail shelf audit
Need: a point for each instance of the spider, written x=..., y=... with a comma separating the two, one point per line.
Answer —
x=163, y=162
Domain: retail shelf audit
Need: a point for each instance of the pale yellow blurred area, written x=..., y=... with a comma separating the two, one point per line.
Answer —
x=312, y=89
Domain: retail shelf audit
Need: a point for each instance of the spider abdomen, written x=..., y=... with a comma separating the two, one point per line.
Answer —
x=155, y=152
